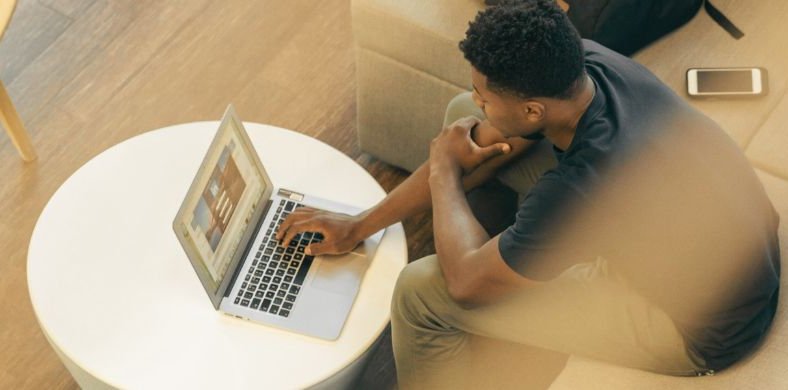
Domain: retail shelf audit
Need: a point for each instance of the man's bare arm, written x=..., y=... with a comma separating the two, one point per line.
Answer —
x=413, y=195
x=470, y=261
x=410, y=198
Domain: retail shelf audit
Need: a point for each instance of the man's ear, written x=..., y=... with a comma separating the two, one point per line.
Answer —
x=533, y=110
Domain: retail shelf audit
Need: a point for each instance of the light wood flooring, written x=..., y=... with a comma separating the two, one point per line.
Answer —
x=87, y=74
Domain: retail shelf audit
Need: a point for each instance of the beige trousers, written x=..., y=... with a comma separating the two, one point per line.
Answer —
x=587, y=310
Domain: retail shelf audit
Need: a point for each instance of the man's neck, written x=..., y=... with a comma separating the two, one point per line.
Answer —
x=561, y=131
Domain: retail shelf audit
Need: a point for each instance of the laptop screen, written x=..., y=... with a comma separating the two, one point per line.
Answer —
x=216, y=216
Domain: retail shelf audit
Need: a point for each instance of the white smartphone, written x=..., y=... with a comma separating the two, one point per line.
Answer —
x=726, y=82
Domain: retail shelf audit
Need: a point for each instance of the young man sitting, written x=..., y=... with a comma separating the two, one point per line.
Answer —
x=643, y=237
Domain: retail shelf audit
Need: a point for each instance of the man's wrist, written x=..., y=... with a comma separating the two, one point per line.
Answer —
x=444, y=167
x=442, y=176
x=360, y=227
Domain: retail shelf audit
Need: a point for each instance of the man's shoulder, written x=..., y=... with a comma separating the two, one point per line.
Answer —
x=633, y=96
x=596, y=51
x=608, y=66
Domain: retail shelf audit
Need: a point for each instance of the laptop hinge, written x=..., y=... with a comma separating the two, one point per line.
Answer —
x=290, y=195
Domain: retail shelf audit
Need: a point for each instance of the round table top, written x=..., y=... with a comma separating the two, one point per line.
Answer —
x=114, y=291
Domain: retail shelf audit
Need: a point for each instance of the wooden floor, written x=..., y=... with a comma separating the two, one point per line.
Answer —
x=87, y=74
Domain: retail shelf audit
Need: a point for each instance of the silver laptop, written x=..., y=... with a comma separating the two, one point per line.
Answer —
x=227, y=225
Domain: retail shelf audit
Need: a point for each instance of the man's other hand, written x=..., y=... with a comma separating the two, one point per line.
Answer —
x=455, y=150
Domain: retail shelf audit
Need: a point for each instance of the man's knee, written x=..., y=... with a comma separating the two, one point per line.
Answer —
x=419, y=282
x=461, y=106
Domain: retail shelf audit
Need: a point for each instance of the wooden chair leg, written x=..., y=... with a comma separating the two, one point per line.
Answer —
x=13, y=126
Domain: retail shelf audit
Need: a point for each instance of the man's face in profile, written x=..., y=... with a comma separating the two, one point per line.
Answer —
x=509, y=114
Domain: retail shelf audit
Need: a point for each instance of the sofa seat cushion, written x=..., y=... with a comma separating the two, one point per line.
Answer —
x=702, y=43
x=420, y=34
x=764, y=369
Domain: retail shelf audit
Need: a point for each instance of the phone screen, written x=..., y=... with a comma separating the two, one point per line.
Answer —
x=710, y=81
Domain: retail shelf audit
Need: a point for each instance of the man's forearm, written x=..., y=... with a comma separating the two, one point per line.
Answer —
x=456, y=230
x=412, y=196
x=409, y=198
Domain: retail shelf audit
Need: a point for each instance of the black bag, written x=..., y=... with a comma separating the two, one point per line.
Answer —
x=627, y=26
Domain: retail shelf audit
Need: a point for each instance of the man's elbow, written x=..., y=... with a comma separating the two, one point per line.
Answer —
x=475, y=292
x=464, y=295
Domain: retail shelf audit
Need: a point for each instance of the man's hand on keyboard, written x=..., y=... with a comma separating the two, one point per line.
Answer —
x=338, y=230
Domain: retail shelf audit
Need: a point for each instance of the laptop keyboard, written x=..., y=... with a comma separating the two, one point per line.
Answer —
x=274, y=280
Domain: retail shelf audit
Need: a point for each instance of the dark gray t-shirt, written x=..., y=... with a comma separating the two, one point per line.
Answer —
x=668, y=199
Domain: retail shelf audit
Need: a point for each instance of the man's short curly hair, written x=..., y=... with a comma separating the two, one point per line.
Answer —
x=527, y=48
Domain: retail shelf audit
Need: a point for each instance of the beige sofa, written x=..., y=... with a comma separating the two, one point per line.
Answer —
x=409, y=67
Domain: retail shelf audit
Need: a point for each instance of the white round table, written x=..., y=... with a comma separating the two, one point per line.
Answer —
x=121, y=305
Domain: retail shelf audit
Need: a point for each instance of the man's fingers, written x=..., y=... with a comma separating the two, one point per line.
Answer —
x=493, y=150
x=518, y=143
x=290, y=228
x=296, y=216
x=318, y=248
x=282, y=230
x=292, y=231
x=304, y=226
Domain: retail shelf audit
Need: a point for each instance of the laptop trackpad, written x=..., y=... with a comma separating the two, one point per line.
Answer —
x=340, y=274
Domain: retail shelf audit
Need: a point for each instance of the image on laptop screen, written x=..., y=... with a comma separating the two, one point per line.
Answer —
x=230, y=188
